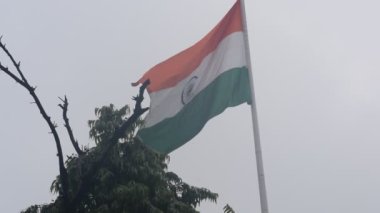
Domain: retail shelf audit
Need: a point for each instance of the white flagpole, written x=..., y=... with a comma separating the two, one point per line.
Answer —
x=256, y=134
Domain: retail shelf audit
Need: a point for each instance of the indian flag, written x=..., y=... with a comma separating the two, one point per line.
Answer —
x=197, y=84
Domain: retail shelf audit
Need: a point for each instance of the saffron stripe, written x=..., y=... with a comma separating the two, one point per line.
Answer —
x=184, y=63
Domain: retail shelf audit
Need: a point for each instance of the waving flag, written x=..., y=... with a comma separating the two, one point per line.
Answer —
x=197, y=84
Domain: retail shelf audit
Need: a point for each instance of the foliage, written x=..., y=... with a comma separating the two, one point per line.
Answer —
x=227, y=209
x=131, y=179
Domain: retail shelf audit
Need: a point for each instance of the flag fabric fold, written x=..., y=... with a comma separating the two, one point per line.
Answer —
x=197, y=84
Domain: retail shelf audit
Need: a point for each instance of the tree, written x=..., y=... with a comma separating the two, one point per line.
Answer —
x=119, y=174
x=132, y=177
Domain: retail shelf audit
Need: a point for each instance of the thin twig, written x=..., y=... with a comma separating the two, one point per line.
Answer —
x=16, y=64
x=6, y=70
x=64, y=107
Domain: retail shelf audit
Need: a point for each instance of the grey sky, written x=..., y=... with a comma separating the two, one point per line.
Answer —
x=316, y=72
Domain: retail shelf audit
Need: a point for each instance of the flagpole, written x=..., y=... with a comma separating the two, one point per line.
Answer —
x=256, y=134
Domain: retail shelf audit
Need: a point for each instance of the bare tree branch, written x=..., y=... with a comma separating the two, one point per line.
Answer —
x=64, y=107
x=18, y=80
x=23, y=82
x=16, y=64
x=119, y=133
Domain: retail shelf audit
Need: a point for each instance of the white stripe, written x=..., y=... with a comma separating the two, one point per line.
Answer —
x=229, y=54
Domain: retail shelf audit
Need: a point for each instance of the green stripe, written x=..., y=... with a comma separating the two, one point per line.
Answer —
x=229, y=89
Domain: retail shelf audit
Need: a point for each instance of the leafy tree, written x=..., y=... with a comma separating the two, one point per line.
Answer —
x=131, y=179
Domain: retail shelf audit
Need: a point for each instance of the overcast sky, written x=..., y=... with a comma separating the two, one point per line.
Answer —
x=316, y=72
